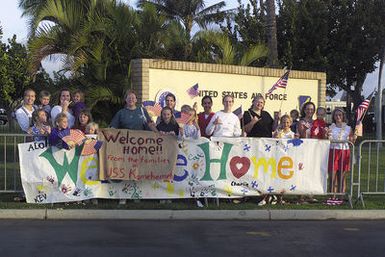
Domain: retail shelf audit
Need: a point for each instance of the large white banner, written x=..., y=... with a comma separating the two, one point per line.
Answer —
x=222, y=167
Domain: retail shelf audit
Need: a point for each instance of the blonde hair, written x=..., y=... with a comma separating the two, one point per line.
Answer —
x=92, y=125
x=61, y=116
x=286, y=117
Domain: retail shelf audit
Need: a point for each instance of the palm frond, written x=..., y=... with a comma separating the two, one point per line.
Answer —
x=253, y=53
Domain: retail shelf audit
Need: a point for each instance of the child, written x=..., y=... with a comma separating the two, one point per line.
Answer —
x=61, y=125
x=83, y=120
x=285, y=128
x=318, y=130
x=92, y=128
x=284, y=131
x=168, y=124
x=294, y=115
x=45, y=98
x=79, y=105
x=339, y=155
x=41, y=127
x=191, y=129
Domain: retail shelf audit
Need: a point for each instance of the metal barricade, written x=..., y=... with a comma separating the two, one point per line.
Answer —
x=371, y=181
x=341, y=177
x=9, y=162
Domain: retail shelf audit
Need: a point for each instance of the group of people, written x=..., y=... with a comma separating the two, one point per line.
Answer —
x=43, y=120
x=71, y=112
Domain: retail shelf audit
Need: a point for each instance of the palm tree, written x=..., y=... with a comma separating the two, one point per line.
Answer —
x=216, y=47
x=272, y=33
x=188, y=13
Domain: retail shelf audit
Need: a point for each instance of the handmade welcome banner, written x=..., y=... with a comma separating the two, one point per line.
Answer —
x=220, y=168
x=137, y=155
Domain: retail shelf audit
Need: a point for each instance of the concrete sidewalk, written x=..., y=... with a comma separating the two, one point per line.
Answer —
x=60, y=214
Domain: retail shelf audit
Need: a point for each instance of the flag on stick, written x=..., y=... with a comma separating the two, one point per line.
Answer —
x=193, y=91
x=239, y=112
x=362, y=108
x=182, y=118
x=281, y=83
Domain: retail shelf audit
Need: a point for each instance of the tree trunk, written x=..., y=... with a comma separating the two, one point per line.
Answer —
x=272, y=33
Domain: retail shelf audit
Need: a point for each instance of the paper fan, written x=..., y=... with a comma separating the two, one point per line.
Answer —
x=63, y=133
x=154, y=111
x=75, y=136
x=91, y=146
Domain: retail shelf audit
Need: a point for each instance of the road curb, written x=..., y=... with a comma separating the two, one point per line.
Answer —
x=65, y=214
x=37, y=214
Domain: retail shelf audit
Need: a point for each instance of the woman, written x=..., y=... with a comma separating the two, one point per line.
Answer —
x=24, y=113
x=258, y=123
x=225, y=123
x=63, y=107
x=304, y=131
x=131, y=116
x=305, y=123
x=339, y=155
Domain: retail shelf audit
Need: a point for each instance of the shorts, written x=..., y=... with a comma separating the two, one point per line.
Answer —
x=340, y=160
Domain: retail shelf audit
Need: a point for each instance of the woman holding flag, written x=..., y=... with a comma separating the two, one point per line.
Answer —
x=306, y=122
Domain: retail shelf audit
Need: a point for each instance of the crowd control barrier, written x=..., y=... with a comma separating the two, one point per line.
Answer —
x=371, y=169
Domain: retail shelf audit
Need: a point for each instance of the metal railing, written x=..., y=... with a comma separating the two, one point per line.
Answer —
x=372, y=180
x=9, y=162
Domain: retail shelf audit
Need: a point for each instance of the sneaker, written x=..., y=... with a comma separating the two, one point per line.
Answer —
x=122, y=201
x=199, y=204
x=262, y=202
x=273, y=200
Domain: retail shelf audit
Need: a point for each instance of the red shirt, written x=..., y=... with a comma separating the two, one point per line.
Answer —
x=203, y=122
x=318, y=129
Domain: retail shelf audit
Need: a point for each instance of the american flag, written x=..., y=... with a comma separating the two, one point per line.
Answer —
x=193, y=91
x=153, y=108
x=281, y=83
x=239, y=112
x=361, y=109
x=182, y=118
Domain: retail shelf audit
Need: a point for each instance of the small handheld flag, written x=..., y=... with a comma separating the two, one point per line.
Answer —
x=281, y=83
x=182, y=118
x=362, y=108
x=239, y=112
x=193, y=91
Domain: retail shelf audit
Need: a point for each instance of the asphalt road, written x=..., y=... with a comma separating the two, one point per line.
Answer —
x=191, y=238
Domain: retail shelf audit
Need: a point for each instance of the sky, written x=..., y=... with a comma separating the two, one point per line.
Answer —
x=12, y=23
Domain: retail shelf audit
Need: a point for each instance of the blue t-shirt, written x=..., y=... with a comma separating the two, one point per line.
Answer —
x=136, y=119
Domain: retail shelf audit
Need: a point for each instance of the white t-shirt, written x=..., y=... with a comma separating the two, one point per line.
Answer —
x=287, y=135
x=229, y=127
x=339, y=134
x=23, y=117
x=58, y=109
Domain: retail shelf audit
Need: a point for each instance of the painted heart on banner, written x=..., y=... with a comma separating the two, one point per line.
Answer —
x=239, y=166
